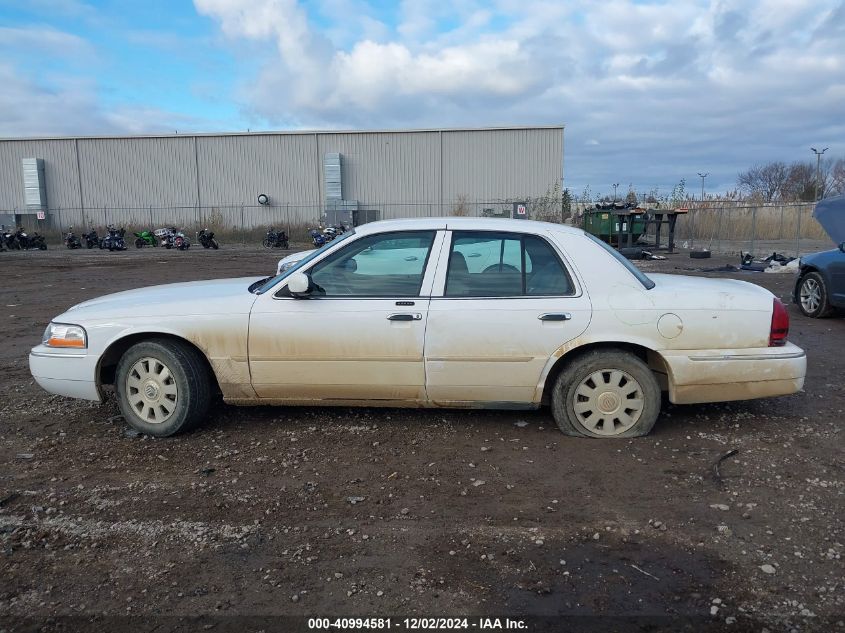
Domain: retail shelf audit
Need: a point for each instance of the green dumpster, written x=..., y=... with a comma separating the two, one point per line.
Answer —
x=610, y=222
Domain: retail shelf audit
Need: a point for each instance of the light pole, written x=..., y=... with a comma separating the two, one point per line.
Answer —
x=615, y=185
x=703, y=176
x=818, y=170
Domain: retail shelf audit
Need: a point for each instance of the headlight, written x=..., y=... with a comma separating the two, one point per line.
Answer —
x=64, y=335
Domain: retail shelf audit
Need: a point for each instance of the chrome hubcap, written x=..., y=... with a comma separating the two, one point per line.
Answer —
x=608, y=402
x=151, y=390
x=811, y=295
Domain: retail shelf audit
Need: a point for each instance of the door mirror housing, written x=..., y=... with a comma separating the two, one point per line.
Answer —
x=842, y=246
x=299, y=284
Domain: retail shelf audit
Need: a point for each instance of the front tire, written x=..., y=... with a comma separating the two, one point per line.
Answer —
x=813, y=298
x=163, y=387
x=606, y=393
x=139, y=243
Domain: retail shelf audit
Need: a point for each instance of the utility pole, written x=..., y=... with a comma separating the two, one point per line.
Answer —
x=818, y=170
x=703, y=176
x=615, y=185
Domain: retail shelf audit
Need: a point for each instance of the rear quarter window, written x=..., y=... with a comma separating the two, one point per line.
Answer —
x=647, y=283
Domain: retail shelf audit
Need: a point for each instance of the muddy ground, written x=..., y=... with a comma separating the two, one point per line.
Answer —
x=380, y=512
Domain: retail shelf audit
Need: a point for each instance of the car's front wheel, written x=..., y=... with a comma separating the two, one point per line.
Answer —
x=812, y=296
x=163, y=387
x=606, y=393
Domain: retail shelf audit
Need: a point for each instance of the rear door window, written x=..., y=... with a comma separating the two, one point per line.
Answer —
x=488, y=264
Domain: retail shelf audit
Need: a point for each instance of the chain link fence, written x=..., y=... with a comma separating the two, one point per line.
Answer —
x=723, y=227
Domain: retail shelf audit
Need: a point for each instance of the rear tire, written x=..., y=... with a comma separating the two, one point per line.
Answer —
x=139, y=243
x=163, y=387
x=214, y=244
x=812, y=296
x=606, y=393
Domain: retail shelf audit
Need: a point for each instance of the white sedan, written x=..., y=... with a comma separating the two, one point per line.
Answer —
x=440, y=312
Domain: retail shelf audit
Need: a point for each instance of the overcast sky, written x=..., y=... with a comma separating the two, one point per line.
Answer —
x=650, y=92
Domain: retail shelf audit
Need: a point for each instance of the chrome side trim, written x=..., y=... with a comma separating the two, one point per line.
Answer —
x=57, y=355
x=748, y=357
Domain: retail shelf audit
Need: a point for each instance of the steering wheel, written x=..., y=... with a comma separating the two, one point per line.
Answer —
x=500, y=268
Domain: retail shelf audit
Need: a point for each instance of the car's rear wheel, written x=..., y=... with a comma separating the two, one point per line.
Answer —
x=812, y=296
x=606, y=393
x=163, y=387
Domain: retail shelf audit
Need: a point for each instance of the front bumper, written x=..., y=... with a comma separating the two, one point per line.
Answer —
x=69, y=373
x=742, y=374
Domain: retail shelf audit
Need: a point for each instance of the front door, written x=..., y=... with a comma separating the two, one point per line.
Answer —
x=507, y=304
x=359, y=335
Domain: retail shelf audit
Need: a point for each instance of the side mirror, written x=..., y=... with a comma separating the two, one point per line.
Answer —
x=299, y=284
x=842, y=247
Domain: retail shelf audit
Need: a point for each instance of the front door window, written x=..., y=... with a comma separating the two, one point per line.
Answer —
x=384, y=265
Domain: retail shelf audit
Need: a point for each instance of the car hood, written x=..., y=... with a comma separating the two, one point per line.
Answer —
x=218, y=296
x=830, y=213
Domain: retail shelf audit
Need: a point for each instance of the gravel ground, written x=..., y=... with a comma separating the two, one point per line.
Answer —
x=380, y=512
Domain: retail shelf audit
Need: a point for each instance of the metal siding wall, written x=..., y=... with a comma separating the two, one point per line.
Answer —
x=59, y=169
x=388, y=167
x=138, y=172
x=235, y=169
x=398, y=173
x=501, y=164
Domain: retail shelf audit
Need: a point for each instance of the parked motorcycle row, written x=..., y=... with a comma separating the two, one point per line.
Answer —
x=319, y=238
x=115, y=239
x=20, y=240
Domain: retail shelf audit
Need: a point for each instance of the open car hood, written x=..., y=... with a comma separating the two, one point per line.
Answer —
x=830, y=213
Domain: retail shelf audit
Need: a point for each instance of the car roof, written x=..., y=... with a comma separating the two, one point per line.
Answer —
x=464, y=224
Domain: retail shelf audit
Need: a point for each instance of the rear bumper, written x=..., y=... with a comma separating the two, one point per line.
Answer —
x=65, y=372
x=722, y=375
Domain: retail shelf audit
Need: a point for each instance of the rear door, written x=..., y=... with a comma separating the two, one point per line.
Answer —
x=503, y=303
x=360, y=334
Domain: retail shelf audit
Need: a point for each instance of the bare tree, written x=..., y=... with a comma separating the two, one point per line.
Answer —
x=800, y=183
x=765, y=182
x=837, y=177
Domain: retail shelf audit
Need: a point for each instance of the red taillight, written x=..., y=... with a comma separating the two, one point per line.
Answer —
x=780, y=324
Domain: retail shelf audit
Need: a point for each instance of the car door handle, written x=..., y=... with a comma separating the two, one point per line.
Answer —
x=416, y=316
x=555, y=316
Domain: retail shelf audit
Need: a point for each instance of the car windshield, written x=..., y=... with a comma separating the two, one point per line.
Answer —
x=272, y=281
x=636, y=272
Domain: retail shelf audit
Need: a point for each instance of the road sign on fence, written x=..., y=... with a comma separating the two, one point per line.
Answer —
x=40, y=215
x=520, y=211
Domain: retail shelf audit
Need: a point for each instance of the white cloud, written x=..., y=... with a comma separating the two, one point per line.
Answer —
x=28, y=108
x=692, y=85
x=43, y=40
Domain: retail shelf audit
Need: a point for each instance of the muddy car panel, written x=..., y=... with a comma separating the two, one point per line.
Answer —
x=706, y=339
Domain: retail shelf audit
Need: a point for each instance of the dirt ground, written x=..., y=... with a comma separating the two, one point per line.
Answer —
x=382, y=512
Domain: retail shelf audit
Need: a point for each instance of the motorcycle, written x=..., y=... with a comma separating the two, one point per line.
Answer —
x=71, y=241
x=275, y=239
x=91, y=239
x=5, y=239
x=330, y=232
x=20, y=240
x=114, y=240
x=145, y=238
x=171, y=237
x=317, y=238
x=206, y=238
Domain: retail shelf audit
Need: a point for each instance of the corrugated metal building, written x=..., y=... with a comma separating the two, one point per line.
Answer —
x=401, y=173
